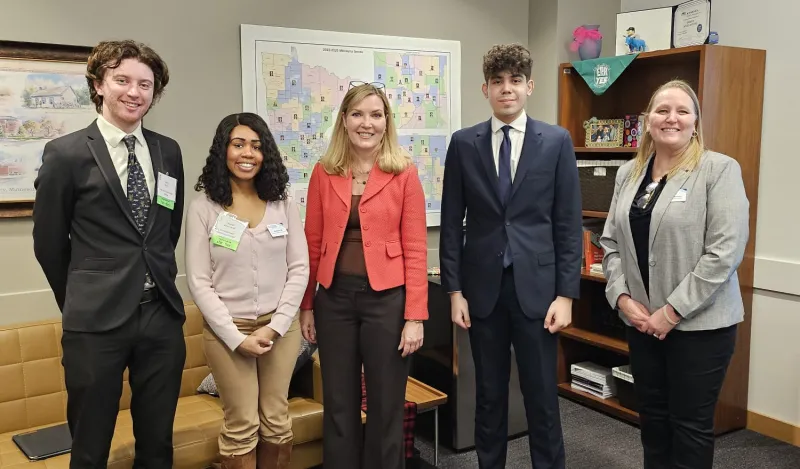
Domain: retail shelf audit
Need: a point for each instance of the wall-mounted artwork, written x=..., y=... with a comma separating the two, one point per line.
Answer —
x=43, y=95
x=644, y=31
x=296, y=78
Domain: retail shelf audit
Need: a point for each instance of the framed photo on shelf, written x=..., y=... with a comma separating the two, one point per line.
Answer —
x=604, y=133
x=644, y=30
x=43, y=95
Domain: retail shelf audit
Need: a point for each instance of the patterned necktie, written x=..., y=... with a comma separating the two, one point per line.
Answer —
x=138, y=195
x=504, y=186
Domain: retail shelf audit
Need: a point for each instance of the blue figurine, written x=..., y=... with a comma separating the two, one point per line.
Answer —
x=633, y=41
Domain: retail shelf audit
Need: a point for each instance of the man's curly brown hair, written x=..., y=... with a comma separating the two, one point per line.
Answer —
x=512, y=58
x=108, y=55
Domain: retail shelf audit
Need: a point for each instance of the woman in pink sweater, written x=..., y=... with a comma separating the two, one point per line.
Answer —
x=247, y=269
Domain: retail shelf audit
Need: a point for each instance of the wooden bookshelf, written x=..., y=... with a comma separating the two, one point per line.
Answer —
x=708, y=69
x=586, y=275
x=624, y=150
x=594, y=214
x=610, y=405
x=598, y=340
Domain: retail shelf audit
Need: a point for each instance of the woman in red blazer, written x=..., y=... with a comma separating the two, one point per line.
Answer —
x=366, y=232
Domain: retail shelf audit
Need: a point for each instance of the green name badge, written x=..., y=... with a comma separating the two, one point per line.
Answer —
x=228, y=243
x=227, y=231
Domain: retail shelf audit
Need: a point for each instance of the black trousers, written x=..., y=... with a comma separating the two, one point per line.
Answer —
x=356, y=325
x=535, y=348
x=151, y=345
x=677, y=383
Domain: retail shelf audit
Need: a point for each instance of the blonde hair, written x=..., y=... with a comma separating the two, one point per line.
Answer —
x=338, y=156
x=690, y=157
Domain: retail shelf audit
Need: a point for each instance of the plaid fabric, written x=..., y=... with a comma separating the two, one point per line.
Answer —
x=409, y=419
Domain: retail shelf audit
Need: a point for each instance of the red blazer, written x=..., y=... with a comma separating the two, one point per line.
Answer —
x=392, y=226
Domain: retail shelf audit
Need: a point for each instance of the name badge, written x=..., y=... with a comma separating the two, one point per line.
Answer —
x=277, y=230
x=680, y=196
x=227, y=231
x=167, y=189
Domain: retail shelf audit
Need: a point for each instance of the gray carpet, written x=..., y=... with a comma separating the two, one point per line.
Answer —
x=594, y=440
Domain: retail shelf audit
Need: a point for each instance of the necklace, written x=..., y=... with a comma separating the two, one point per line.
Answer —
x=360, y=174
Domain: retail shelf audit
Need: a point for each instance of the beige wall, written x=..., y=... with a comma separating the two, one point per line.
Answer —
x=774, y=348
x=199, y=39
x=549, y=35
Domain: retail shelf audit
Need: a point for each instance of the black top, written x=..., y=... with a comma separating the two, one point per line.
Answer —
x=641, y=209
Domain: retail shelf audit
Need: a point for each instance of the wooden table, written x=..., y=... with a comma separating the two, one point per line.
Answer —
x=427, y=399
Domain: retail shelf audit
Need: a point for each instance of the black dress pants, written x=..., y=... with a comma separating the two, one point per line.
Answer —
x=535, y=348
x=677, y=383
x=151, y=345
x=356, y=325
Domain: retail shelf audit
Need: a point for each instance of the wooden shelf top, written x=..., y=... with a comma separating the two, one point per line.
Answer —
x=675, y=51
x=605, y=150
x=610, y=405
x=594, y=214
x=585, y=274
x=423, y=395
x=598, y=340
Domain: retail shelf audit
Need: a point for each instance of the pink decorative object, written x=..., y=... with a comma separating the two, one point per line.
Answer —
x=587, y=41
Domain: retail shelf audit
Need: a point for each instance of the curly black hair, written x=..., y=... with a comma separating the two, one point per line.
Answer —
x=512, y=58
x=272, y=180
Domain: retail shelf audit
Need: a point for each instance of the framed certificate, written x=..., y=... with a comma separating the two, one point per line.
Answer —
x=691, y=22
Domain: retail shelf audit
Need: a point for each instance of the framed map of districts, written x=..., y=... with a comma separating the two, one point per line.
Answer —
x=296, y=79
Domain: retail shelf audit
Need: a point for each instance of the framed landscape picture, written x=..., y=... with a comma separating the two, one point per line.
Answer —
x=43, y=95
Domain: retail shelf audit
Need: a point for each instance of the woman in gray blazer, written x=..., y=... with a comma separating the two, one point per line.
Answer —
x=675, y=235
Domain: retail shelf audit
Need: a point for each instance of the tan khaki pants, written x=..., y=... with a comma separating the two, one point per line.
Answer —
x=254, y=391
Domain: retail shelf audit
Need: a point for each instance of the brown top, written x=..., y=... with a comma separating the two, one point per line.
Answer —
x=351, y=255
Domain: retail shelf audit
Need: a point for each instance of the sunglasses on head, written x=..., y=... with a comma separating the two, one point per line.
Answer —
x=374, y=84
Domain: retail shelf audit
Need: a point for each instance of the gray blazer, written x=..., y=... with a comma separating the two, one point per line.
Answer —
x=698, y=232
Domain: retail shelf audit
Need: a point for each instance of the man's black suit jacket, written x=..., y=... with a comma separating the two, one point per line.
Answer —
x=85, y=237
x=541, y=220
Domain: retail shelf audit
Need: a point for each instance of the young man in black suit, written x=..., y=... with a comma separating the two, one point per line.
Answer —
x=106, y=220
x=517, y=181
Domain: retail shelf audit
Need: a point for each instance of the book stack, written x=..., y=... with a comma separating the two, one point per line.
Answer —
x=592, y=251
x=592, y=378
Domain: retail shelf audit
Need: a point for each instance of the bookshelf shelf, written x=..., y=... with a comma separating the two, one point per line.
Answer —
x=598, y=340
x=707, y=69
x=610, y=405
x=594, y=214
x=626, y=150
x=585, y=274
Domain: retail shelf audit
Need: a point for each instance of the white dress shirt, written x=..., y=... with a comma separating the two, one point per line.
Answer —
x=516, y=134
x=119, y=153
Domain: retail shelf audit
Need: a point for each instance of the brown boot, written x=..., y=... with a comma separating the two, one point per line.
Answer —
x=274, y=456
x=244, y=461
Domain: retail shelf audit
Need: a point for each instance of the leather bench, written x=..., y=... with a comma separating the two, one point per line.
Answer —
x=33, y=395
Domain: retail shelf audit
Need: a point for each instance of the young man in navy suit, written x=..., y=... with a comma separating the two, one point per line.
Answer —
x=513, y=281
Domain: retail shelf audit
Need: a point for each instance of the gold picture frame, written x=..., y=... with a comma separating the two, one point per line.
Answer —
x=31, y=112
x=604, y=133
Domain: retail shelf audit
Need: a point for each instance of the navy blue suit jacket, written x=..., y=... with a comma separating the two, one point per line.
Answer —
x=542, y=220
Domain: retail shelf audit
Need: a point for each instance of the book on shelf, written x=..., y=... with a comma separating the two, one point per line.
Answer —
x=592, y=251
x=594, y=379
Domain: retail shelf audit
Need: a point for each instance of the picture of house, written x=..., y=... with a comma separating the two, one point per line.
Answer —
x=9, y=125
x=60, y=97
